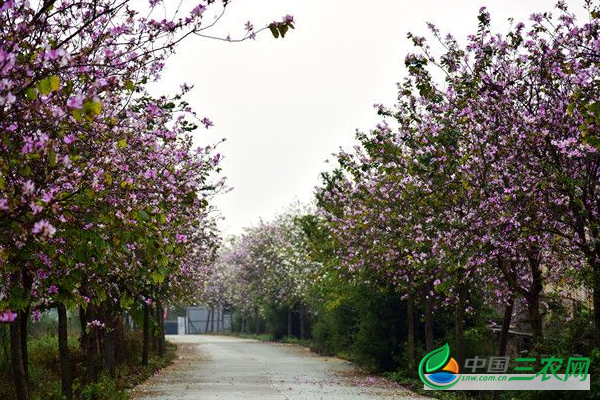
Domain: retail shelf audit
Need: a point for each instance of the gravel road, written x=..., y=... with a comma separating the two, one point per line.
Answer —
x=226, y=368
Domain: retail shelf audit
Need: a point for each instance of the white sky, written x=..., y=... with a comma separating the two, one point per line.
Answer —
x=286, y=105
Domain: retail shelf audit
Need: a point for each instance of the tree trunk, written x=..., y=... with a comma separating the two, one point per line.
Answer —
x=533, y=296
x=508, y=309
x=535, y=318
x=207, y=320
x=146, y=343
x=257, y=322
x=243, y=327
x=596, y=297
x=63, y=351
x=219, y=317
x=302, y=327
x=82, y=325
x=410, y=345
x=429, y=324
x=24, y=351
x=460, y=324
x=109, y=345
x=289, y=322
x=161, y=329
x=19, y=377
x=212, y=319
x=223, y=318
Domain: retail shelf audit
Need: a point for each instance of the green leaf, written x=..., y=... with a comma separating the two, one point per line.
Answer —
x=32, y=94
x=594, y=108
x=163, y=261
x=143, y=215
x=437, y=358
x=157, y=277
x=129, y=85
x=44, y=87
x=49, y=85
x=274, y=30
x=91, y=109
x=283, y=29
x=77, y=114
x=54, y=82
x=121, y=144
x=52, y=158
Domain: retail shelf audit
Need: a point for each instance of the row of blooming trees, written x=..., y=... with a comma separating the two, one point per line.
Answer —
x=485, y=182
x=267, y=266
x=478, y=189
x=104, y=198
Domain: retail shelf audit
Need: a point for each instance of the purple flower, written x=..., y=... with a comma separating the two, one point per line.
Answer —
x=207, y=122
x=3, y=205
x=69, y=139
x=8, y=316
x=437, y=282
x=75, y=101
x=53, y=289
x=36, y=315
x=43, y=227
x=36, y=208
x=198, y=10
x=28, y=188
x=47, y=197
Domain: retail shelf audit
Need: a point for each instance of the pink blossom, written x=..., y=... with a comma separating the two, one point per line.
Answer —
x=44, y=228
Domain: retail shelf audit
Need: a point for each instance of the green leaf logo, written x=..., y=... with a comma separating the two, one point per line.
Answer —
x=437, y=358
x=432, y=362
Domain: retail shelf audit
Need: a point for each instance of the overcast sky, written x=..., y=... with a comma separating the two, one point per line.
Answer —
x=286, y=105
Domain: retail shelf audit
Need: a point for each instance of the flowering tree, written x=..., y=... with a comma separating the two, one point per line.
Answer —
x=486, y=180
x=101, y=190
x=269, y=265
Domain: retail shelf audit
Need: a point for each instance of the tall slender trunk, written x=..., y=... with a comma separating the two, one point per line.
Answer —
x=223, y=318
x=218, y=317
x=289, y=321
x=207, y=320
x=460, y=323
x=535, y=318
x=596, y=296
x=82, y=325
x=243, y=327
x=212, y=319
x=161, y=329
x=302, y=322
x=533, y=296
x=410, y=345
x=257, y=322
x=19, y=378
x=146, y=342
x=27, y=281
x=429, y=323
x=24, y=351
x=63, y=351
x=109, y=343
x=508, y=309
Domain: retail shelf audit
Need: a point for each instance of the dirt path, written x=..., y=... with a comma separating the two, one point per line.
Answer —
x=218, y=367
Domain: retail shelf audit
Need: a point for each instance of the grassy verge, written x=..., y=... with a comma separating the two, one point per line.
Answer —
x=44, y=370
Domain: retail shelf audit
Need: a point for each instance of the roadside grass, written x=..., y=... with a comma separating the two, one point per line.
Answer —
x=44, y=369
